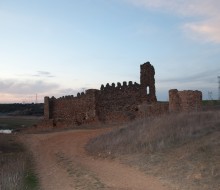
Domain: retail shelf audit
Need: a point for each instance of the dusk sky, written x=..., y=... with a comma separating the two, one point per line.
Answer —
x=61, y=47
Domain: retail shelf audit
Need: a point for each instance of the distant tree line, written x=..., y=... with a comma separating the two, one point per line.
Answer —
x=22, y=109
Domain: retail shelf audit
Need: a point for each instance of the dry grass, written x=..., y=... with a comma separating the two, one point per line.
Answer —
x=152, y=134
x=181, y=149
x=16, y=169
x=12, y=171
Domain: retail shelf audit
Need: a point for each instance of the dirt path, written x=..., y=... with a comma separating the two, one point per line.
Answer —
x=63, y=164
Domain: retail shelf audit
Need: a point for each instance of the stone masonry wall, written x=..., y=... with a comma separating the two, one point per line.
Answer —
x=147, y=83
x=109, y=104
x=73, y=110
x=185, y=101
x=118, y=103
x=46, y=108
x=153, y=109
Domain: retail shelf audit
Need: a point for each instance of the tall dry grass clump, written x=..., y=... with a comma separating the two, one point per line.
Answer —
x=16, y=165
x=152, y=134
x=12, y=171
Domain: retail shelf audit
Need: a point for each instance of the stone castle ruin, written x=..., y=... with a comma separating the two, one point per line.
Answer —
x=185, y=101
x=118, y=103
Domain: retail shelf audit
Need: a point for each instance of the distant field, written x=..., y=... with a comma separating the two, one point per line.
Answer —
x=15, y=122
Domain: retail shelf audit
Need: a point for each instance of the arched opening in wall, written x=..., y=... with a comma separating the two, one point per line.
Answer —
x=148, y=90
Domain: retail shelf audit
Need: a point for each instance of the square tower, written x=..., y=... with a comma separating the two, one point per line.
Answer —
x=147, y=82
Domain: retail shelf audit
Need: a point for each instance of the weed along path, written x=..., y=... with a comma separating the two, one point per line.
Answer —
x=62, y=163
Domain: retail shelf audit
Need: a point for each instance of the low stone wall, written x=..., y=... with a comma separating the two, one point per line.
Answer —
x=154, y=109
x=185, y=101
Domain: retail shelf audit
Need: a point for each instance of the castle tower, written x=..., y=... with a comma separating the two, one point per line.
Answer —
x=147, y=82
x=46, y=107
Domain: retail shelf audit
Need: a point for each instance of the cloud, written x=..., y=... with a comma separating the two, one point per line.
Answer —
x=43, y=74
x=68, y=91
x=39, y=74
x=12, y=86
x=201, y=17
x=209, y=31
x=202, y=77
x=205, y=81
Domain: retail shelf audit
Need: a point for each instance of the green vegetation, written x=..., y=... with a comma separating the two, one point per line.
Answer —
x=211, y=102
x=17, y=171
x=12, y=122
x=31, y=180
x=22, y=109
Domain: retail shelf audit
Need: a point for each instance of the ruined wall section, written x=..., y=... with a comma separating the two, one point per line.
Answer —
x=147, y=82
x=47, y=109
x=118, y=103
x=154, y=109
x=74, y=110
x=112, y=103
x=185, y=101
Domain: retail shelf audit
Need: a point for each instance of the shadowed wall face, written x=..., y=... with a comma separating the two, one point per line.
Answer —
x=74, y=110
x=121, y=102
x=185, y=101
x=46, y=108
x=147, y=81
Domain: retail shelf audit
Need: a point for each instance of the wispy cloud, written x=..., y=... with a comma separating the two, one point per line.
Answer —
x=43, y=74
x=209, y=30
x=202, y=16
x=12, y=86
x=202, y=77
x=205, y=81
x=68, y=91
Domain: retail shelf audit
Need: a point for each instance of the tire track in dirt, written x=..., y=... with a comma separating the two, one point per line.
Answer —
x=62, y=163
x=83, y=178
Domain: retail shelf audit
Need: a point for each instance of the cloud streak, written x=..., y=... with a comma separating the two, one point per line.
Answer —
x=201, y=17
x=43, y=74
x=12, y=86
x=13, y=90
x=203, y=77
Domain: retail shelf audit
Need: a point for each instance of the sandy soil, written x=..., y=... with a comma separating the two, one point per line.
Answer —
x=62, y=163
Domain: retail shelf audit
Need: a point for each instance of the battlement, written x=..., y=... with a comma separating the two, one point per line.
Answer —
x=119, y=102
x=120, y=86
x=113, y=102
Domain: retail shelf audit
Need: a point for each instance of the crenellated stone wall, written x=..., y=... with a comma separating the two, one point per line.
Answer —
x=72, y=110
x=112, y=103
x=119, y=102
x=185, y=101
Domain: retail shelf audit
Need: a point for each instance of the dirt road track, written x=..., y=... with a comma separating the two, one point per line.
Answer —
x=62, y=164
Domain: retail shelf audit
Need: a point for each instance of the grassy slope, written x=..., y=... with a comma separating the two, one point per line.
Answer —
x=183, y=149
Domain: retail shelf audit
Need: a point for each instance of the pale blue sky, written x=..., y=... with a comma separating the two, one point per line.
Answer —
x=60, y=47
